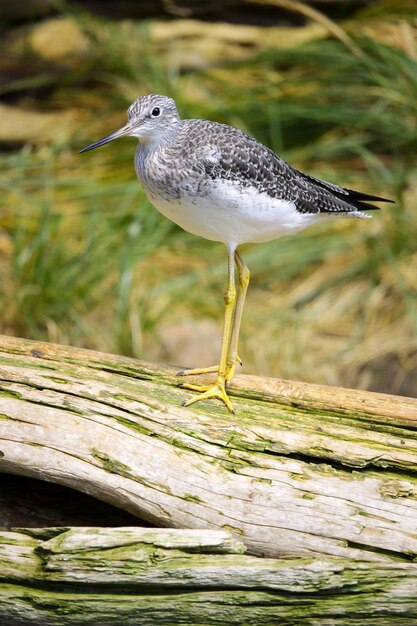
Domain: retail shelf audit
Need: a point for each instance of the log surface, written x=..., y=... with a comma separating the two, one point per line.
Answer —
x=107, y=576
x=300, y=470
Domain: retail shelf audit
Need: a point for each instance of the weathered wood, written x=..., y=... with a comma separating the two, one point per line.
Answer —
x=300, y=470
x=107, y=576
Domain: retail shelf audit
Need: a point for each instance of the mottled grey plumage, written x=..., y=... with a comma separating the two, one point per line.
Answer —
x=242, y=160
x=183, y=158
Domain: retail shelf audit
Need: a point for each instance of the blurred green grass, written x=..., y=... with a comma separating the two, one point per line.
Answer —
x=85, y=259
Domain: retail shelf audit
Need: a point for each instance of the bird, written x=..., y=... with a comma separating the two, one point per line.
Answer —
x=216, y=181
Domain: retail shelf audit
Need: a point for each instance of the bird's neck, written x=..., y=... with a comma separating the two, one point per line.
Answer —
x=160, y=139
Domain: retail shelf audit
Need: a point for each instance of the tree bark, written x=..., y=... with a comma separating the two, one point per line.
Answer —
x=300, y=470
x=107, y=576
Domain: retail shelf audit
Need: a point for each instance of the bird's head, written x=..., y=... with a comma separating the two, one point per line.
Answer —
x=150, y=118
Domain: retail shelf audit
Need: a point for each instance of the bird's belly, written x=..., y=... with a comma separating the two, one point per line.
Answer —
x=232, y=214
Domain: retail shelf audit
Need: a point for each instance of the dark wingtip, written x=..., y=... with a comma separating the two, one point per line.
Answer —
x=358, y=195
x=363, y=201
x=379, y=199
x=385, y=200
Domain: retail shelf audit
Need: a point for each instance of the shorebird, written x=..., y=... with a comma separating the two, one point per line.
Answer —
x=217, y=182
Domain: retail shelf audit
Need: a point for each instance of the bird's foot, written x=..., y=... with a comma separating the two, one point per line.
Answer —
x=199, y=370
x=218, y=390
x=230, y=370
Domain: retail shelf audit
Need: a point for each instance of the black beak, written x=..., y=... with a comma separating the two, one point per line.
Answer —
x=122, y=132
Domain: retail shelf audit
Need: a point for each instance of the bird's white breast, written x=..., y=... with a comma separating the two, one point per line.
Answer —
x=222, y=210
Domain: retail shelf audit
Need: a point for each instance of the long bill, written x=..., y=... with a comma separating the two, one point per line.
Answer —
x=122, y=132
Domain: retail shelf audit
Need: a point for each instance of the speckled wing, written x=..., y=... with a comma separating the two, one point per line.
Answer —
x=237, y=157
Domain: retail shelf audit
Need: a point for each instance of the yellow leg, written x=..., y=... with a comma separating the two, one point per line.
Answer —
x=244, y=276
x=232, y=355
x=218, y=390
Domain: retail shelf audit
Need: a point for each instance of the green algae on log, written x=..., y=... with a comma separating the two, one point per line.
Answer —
x=301, y=470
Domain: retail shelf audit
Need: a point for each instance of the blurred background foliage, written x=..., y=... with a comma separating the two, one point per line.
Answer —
x=86, y=260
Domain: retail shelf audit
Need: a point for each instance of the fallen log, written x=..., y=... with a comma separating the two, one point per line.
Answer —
x=300, y=470
x=107, y=576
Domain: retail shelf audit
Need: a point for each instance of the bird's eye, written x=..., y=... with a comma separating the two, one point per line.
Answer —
x=156, y=111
